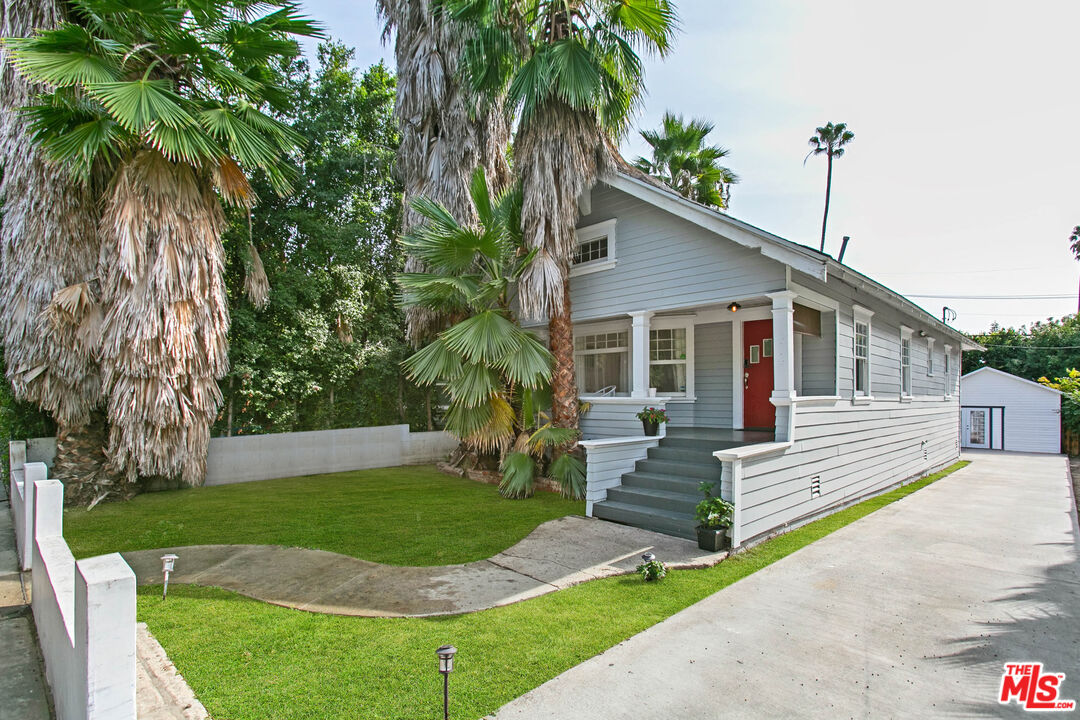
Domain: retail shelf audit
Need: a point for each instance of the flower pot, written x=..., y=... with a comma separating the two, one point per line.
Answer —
x=713, y=539
x=651, y=428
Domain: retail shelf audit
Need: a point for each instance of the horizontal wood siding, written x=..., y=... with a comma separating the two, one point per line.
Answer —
x=605, y=466
x=663, y=261
x=818, y=359
x=712, y=357
x=607, y=421
x=884, y=344
x=854, y=450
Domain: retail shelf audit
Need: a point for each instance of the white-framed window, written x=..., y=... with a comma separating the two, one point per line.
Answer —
x=671, y=356
x=905, y=361
x=947, y=367
x=595, y=248
x=602, y=360
x=862, y=350
x=930, y=356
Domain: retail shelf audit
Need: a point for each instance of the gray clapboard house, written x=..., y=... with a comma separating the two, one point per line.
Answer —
x=798, y=383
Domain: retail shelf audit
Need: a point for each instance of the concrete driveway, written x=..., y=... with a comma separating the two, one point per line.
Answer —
x=908, y=613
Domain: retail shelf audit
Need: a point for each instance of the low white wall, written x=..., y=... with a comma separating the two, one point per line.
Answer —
x=85, y=618
x=263, y=457
x=23, y=475
x=245, y=458
x=607, y=460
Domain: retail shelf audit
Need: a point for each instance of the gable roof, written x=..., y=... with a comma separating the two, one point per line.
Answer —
x=799, y=257
x=1010, y=376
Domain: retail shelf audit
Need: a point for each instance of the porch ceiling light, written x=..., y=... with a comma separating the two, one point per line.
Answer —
x=734, y=307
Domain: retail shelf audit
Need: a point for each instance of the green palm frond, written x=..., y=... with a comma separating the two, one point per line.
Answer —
x=519, y=476
x=483, y=338
x=475, y=385
x=549, y=437
x=570, y=473
x=433, y=363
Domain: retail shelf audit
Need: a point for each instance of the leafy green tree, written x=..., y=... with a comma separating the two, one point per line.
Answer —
x=682, y=161
x=1069, y=385
x=325, y=351
x=829, y=141
x=1046, y=348
x=167, y=99
x=1074, y=245
x=572, y=74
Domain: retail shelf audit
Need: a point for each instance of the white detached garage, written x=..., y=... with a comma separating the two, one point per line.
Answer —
x=1000, y=411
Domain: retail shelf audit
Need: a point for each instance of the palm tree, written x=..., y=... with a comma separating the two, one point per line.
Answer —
x=572, y=73
x=166, y=100
x=495, y=373
x=1074, y=245
x=444, y=135
x=48, y=259
x=682, y=161
x=829, y=141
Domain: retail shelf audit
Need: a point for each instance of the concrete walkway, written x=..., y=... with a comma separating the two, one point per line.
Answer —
x=556, y=555
x=22, y=688
x=908, y=613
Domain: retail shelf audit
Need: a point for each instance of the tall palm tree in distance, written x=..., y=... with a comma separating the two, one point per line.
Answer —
x=166, y=101
x=572, y=74
x=682, y=161
x=445, y=136
x=829, y=141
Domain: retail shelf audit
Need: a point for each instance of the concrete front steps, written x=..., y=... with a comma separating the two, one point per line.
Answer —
x=662, y=491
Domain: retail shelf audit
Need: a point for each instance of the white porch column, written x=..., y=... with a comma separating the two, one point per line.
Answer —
x=639, y=353
x=783, y=314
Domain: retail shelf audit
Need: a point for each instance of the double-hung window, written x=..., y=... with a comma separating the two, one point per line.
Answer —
x=602, y=362
x=671, y=352
x=948, y=371
x=905, y=361
x=930, y=356
x=862, y=350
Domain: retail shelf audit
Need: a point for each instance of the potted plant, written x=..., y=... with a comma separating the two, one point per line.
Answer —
x=714, y=516
x=651, y=418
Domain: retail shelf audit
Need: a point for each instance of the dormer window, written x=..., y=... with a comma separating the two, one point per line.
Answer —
x=595, y=248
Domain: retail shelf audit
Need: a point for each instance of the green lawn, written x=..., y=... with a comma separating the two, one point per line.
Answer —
x=399, y=516
x=247, y=660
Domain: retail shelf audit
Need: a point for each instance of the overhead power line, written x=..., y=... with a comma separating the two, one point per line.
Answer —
x=992, y=297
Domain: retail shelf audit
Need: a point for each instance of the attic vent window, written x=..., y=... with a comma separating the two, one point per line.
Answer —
x=595, y=249
x=591, y=250
x=815, y=486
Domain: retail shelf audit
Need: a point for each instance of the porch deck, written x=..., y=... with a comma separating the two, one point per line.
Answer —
x=661, y=492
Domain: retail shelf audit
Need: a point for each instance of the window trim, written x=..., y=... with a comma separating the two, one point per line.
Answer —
x=930, y=357
x=906, y=334
x=862, y=316
x=948, y=370
x=673, y=322
x=600, y=329
x=592, y=232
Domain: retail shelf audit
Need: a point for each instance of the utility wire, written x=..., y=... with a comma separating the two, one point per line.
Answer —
x=992, y=297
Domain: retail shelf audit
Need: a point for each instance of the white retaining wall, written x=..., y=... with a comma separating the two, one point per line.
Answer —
x=244, y=458
x=84, y=611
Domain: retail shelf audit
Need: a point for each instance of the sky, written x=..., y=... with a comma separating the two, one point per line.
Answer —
x=964, y=175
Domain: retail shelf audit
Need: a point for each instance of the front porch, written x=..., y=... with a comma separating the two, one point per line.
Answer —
x=728, y=376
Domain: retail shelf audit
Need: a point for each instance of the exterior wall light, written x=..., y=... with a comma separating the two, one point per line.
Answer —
x=734, y=307
x=168, y=562
x=446, y=666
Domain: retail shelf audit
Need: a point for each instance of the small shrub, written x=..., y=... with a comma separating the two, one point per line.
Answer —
x=713, y=512
x=653, y=570
x=653, y=415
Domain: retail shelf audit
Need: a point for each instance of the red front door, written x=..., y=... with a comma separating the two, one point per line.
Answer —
x=758, y=412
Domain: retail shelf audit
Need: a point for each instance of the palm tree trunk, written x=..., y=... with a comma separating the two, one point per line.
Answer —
x=828, y=192
x=444, y=138
x=563, y=384
x=82, y=465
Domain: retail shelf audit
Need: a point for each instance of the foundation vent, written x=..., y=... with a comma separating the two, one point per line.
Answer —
x=815, y=486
